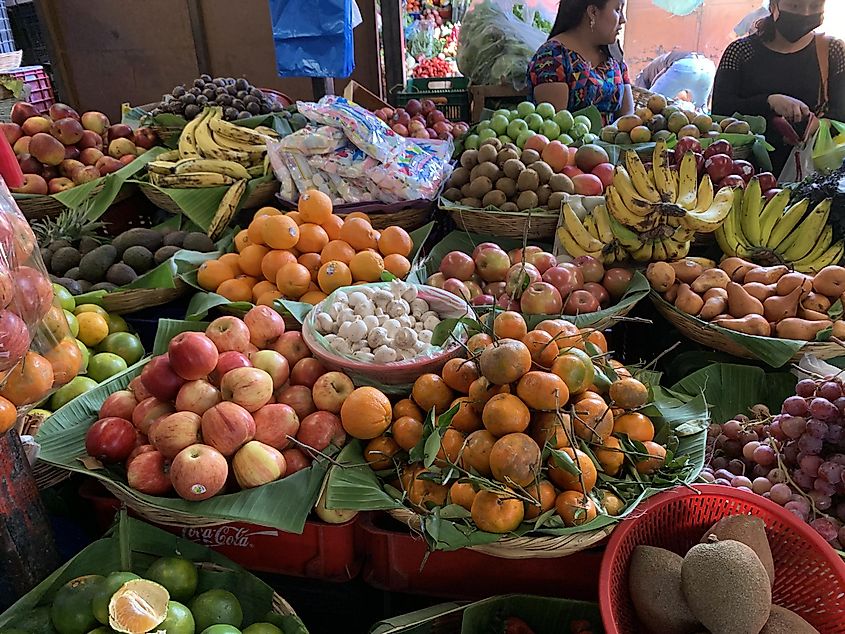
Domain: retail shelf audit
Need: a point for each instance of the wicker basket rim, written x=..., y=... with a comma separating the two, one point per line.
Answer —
x=538, y=213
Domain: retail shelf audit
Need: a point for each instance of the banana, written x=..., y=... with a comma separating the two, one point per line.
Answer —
x=833, y=255
x=688, y=182
x=658, y=252
x=807, y=233
x=590, y=226
x=229, y=168
x=823, y=244
x=570, y=244
x=771, y=214
x=618, y=210
x=227, y=208
x=625, y=237
x=787, y=222
x=263, y=129
x=640, y=177
x=161, y=167
x=257, y=171
x=576, y=228
x=193, y=180
x=169, y=155
x=644, y=253
x=629, y=194
x=730, y=238
x=249, y=148
x=187, y=140
x=684, y=234
x=752, y=207
x=602, y=219
x=705, y=194
x=664, y=181
x=675, y=249
x=710, y=220
x=208, y=148
x=237, y=133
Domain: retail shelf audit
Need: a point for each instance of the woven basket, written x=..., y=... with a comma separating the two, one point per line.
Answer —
x=156, y=515
x=536, y=226
x=526, y=547
x=262, y=195
x=35, y=208
x=714, y=337
x=135, y=299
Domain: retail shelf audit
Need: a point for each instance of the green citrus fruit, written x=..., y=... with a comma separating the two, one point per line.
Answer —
x=123, y=344
x=221, y=629
x=100, y=602
x=86, y=356
x=216, y=607
x=104, y=365
x=176, y=574
x=117, y=324
x=262, y=628
x=90, y=308
x=71, y=612
x=72, y=322
x=66, y=393
x=65, y=298
x=179, y=619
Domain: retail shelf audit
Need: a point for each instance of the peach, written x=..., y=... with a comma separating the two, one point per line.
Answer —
x=34, y=125
x=47, y=149
x=32, y=184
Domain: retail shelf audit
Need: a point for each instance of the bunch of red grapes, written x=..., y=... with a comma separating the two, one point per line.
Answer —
x=795, y=458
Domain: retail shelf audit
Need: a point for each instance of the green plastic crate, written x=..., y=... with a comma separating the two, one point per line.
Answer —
x=450, y=94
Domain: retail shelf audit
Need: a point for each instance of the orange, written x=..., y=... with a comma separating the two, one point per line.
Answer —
x=565, y=334
x=268, y=298
x=459, y=374
x=505, y=361
x=595, y=337
x=293, y=280
x=66, y=360
x=542, y=391
x=576, y=369
x=628, y=393
x=262, y=287
x=430, y=391
x=505, y=414
x=242, y=240
x=312, y=262
x=255, y=230
x=365, y=413
x=571, y=482
x=248, y=279
x=366, y=266
x=495, y=512
x=332, y=226
x=515, y=460
x=379, y=453
x=273, y=261
x=542, y=348
x=592, y=418
x=337, y=250
x=212, y=273
x=232, y=260
x=250, y=258
x=478, y=342
x=357, y=214
x=544, y=494
x=655, y=461
x=407, y=407
x=29, y=381
x=267, y=211
x=423, y=493
x=397, y=264
x=295, y=216
x=477, y=451
x=462, y=494
x=332, y=275
x=575, y=508
x=313, y=297
x=312, y=238
x=635, y=426
x=8, y=414
x=466, y=419
x=280, y=232
x=359, y=234
x=315, y=206
x=237, y=290
x=395, y=240
x=450, y=448
x=407, y=432
x=610, y=455
x=548, y=428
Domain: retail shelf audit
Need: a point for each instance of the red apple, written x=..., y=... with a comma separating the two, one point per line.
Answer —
x=330, y=390
x=145, y=138
x=493, y=265
x=295, y=460
x=483, y=300
x=617, y=281
x=63, y=111
x=49, y=173
x=274, y=364
x=197, y=397
x=228, y=333
x=107, y=165
x=96, y=122
x=22, y=111
x=494, y=288
x=732, y=181
x=591, y=268
x=229, y=361
x=580, y=302
x=35, y=125
x=90, y=140
x=473, y=288
x=484, y=246
x=90, y=156
x=139, y=449
x=719, y=146
x=321, y=429
x=12, y=131
x=149, y=473
x=436, y=280
x=718, y=166
x=292, y=347
x=30, y=165
x=136, y=386
x=173, y=433
x=110, y=440
x=458, y=265
x=604, y=172
x=299, y=398
x=7, y=287
x=767, y=181
x=599, y=292
x=250, y=388
x=256, y=464
x=457, y=287
x=33, y=294
x=119, y=131
x=274, y=423
x=192, y=355
x=743, y=169
x=543, y=261
x=120, y=404
x=519, y=277
x=227, y=426
x=68, y=131
x=521, y=254
x=564, y=279
x=684, y=145
x=541, y=298
x=265, y=326
x=199, y=472
x=61, y=184
x=160, y=379
x=771, y=193
x=14, y=339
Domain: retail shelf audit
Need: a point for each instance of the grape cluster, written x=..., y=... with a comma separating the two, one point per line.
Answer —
x=795, y=458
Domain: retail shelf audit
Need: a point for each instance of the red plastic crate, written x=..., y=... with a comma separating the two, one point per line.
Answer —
x=323, y=551
x=40, y=87
x=396, y=561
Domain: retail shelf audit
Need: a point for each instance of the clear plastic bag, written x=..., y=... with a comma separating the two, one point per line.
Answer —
x=313, y=140
x=829, y=146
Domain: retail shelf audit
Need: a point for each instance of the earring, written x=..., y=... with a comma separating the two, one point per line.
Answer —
x=592, y=24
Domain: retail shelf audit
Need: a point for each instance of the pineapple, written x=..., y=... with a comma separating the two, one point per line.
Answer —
x=70, y=227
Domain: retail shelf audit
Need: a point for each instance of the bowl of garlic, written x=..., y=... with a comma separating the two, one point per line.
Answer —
x=381, y=333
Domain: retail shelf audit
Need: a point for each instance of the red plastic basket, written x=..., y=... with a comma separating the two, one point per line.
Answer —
x=809, y=575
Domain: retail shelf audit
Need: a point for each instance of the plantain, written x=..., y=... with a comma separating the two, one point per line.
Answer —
x=640, y=177
x=187, y=140
x=227, y=208
x=228, y=168
x=688, y=182
x=787, y=222
x=161, y=167
x=194, y=180
x=237, y=133
x=664, y=179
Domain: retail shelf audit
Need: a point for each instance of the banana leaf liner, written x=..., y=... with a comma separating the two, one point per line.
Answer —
x=133, y=546
x=284, y=504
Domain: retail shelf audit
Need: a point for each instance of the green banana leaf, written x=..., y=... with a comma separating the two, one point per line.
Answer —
x=133, y=546
x=770, y=350
x=204, y=301
x=544, y=615
x=466, y=242
x=681, y=422
x=97, y=204
x=284, y=504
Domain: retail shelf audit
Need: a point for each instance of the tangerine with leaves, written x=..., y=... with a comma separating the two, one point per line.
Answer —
x=423, y=493
x=312, y=238
x=621, y=371
x=463, y=494
x=293, y=280
x=315, y=206
x=543, y=493
x=407, y=407
x=628, y=393
x=563, y=478
x=610, y=456
x=515, y=460
x=552, y=428
x=431, y=391
x=8, y=415
x=366, y=266
x=634, y=425
x=655, y=460
x=279, y=232
x=575, y=509
x=395, y=240
x=595, y=337
x=566, y=334
x=397, y=265
x=509, y=325
x=359, y=234
x=592, y=419
x=337, y=250
x=542, y=390
x=407, y=432
x=482, y=390
x=459, y=374
x=379, y=452
x=232, y=260
x=479, y=342
x=29, y=381
x=542, y=348
x=505, y=414
x=466, y=419
x=212, y=273
x=576, y=369
x=366, y=413
x=476, y=455
x=495, y=512
x=450, y=448
x=250, y=259
x=505, y=361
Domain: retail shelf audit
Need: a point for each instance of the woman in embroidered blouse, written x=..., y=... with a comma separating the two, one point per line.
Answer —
x=575, y=69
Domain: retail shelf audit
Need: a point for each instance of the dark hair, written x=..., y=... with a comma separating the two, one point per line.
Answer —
x=571, y=12
x=764, y=28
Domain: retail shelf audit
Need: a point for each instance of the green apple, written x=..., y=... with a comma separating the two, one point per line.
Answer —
x=504, y=112
x=123, y=344
x=585, y=121
x=565, y=120
x=523, y=137
x=66, y=300
x=589, y=138
x=66, y=393
x=525, y=108
x=72, y=322
x=546, y=110
x=550, y=129
x=499, y=123
x=471, y=142
x=566, y=139
x=505, y=139
x=579, y=130
x=104, y=365
x=489, y=133
x=516, y=127
x=86, y=356
x=534, y=121
x=482, y=126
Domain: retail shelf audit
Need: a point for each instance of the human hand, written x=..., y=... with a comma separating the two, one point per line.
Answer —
x=791, y=109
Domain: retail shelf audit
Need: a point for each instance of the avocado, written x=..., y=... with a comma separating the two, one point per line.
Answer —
x=88, y=244
x=73, y=273
x=72, y=286
x=120, y=274
x=84, y=285
x=104, y=286
x=93, y=265
x=165, y=253
x=138, y=236
x=196, y=241
x=55, y=245
x=64, y=259
x=175, y=238
x=139, y=258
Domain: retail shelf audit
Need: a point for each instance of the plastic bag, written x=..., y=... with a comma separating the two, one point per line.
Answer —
x=829, y=145
x=414, y=175
x=313, y=140
x=495, y=46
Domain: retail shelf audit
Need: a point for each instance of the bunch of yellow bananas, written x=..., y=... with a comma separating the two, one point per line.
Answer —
x=779, y=232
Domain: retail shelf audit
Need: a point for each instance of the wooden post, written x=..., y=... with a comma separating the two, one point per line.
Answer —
x=393, y=40
x=322, y=86
x=27, y=550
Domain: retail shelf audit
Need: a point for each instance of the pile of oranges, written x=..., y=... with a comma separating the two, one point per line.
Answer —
x=305, y=254
x=518, y=394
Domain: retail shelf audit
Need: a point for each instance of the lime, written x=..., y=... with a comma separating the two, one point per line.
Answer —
x=176, y=574
x=90, y=308
x=117, y=324
x=216, y=607
x=100, y=602
x=71, y=610
x=123, y=344
x=104, y=365
x=262, y=628
x=66, y=393
x=65, y=298
x=102, y=630
x=179, y=619
x=221, y=629
x=86, y=356
x=72, y=322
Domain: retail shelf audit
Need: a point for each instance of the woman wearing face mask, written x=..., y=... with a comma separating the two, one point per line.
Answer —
x=575, y=68
x=784, y=69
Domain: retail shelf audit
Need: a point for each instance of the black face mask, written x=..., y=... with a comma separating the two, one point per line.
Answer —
x=794, y=26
